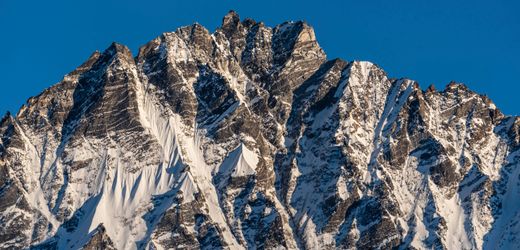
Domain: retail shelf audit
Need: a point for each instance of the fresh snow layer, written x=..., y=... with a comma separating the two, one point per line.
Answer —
x=240, y=162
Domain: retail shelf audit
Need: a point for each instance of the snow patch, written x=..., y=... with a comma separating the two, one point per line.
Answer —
x=240, y=162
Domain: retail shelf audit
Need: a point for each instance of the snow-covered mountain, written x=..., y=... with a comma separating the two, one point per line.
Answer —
x=249, y=137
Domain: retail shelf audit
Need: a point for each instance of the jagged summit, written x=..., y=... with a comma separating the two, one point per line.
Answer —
x=230, y=21
x=249, y=137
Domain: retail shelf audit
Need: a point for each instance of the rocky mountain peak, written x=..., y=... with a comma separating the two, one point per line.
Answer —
x=117, y=48
x=230, y=22
x=5, y=117
x=248, y=137
x=93, y=58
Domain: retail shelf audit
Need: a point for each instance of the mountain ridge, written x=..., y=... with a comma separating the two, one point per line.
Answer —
x=157, y=151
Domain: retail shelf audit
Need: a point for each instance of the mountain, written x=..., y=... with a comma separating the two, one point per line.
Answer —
x=249, y=137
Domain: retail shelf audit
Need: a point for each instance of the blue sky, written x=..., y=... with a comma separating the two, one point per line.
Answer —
x=475, y=42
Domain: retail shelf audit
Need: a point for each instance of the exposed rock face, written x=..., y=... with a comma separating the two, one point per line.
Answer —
x=249, y=137
x=99, y=240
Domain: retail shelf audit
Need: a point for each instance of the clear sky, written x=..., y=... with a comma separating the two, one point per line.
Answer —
x=475, y=42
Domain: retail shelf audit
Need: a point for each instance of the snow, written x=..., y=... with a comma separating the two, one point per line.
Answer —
x=504, y=234
x=188, y=188
x=36, y=195
x=452, y=211
x=119, y=204
x=175, y=48
x=240, y=162
x=180, y=144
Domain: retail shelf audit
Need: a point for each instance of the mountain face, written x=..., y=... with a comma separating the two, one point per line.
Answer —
x=249, y=137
